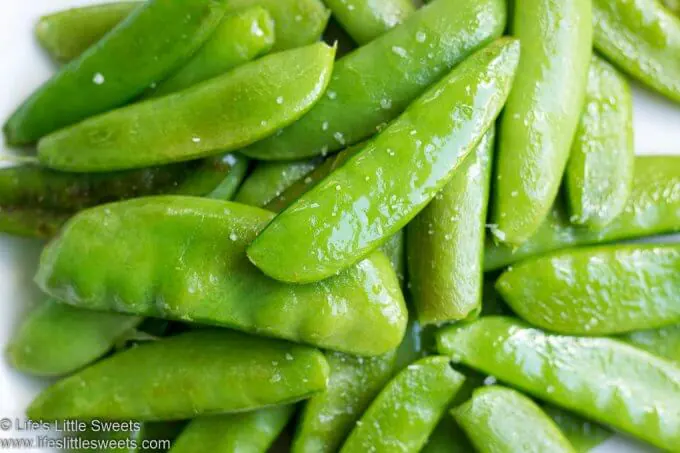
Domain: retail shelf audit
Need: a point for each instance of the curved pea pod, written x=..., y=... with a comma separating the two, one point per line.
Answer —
x=377, y=192
x=58, y=339
x=329, y=416
x=664, y=342
x=541, y=114
x=597, y=291
x=600, y=378
x=446, y=242
x=642, y=38
x=214, y=278
x=500, y=420
x=652, y=208
x=163, y=35
x=270, y=179
x=599, y=174
x=365, y=20
x=374, y=84
x=583, y=435
x=406, y=411
x=207, y=365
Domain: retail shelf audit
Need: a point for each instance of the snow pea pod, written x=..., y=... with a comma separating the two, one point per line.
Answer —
x=270, y=179
x=542, y=113
x=597, y=291
x=142, y=437
x=218, y=115
x=374, y=84
x=445, y=243
x=190, y=265
x=208, y=365
x=227, y=188
x=652, y=208
x=377, y=192
x=581, y=434
x=365, y=20
x=664, y=342
x=155, y=39
x=501, y=420
x=600, y=378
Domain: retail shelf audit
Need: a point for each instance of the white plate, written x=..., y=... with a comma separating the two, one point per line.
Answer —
x=23, y=67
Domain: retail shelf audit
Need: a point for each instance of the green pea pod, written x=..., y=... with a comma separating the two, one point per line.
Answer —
x=377, y=82
x=411, y=347
x=208, y=239
x=642, y=38
x=446, y=243
x=653, y=208
x=217, y=372
x=57, y=339
x=597, y=291
x=541, y=114
x=249, y=432
x=335, y=34
x=329, y=416
x=664, y=342
x=599, y=174
x=377, y=192
x=582, y=434
x=406, y=411
x=602, y=379
x=270, y=179
x=32, y=223
x=223, y=113
x=228, y=187
x=395, y=250
x=142, y=437
x=155, y=39
x=501, y=420
x=365, y=20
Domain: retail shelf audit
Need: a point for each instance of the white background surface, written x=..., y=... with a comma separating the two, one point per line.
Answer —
x=23, y=67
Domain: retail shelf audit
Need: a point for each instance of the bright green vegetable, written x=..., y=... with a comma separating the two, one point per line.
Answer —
x=229, y=185
x=582, y=434
x=155, y=436
x=365, y=20
x=378, y=191
x=270, y=179
x=334, y=33
x=664, y=342
x=32, y=223
x=395, y=250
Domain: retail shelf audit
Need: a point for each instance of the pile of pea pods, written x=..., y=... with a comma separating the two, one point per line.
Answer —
x=352, y=225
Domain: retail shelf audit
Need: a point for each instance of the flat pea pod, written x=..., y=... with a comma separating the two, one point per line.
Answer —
x=155, y=39
x=219, y=371
x=446, y=242
x=664, y=342
x=501, y=420
x=583, y=435
x=374, y=84
x=642, y=38
x=209, y=238
x=249, y=432
x=218, y=115
x=57, y=339
x=602, y=379
x=270, y=179
x=653, y=208
x=601, y=290
x=365, y=20
x=406, y=411
x=599, y=174
x=378, y=191
x=541, y=114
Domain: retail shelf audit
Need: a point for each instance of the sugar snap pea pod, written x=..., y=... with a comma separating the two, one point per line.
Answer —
x=406, y=411
x=218, y=371
x=664, y=342
x=597, y=290
x=31, y=223
x=221, y=114
x=599, y=174
x=446, y=243
x=653, y=208
x=377, y=192
x=365, y=20
x=227, y=188
x=58, y=339
x=500, y=420
x=395, y=250
x=209, y=237
x=602, y=379
x=270, y=179
x=377, y=82
x=154, y=40
x=128, y=437
x=329, y=416
x=583, y=435
x=541, y=114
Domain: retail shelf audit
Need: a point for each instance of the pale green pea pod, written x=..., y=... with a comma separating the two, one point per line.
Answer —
x=664, y=342
x=365, y=20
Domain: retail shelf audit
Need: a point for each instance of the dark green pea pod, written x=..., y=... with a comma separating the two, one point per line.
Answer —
x=599, y=174
x=598, y=291
x=365, y=20
x=32, y=223
x=445, y=243
x=541, y=114
x=142, y=383
x=209, y=238
x=373, y=85
x=582, y=434
x=377, y=192
x=406, y=411
x=228, y=187
x=141, y=437
x=163, y=35
x=329, y=416
x=653, y=208
x=501, y=420
x=602, y=379
x=642, y=38
x=270, y=179
x=664, y=342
